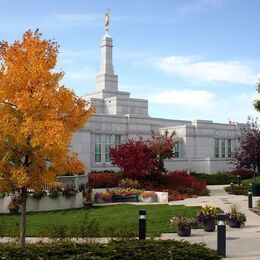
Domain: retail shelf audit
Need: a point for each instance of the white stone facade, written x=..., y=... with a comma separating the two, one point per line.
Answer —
x=203, y=146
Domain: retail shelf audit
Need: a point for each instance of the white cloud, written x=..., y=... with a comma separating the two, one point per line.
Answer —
x=81, y=74
x=189, y=67
x=194, y=98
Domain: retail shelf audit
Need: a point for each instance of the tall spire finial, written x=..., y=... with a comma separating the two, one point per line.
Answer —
x=107, y=20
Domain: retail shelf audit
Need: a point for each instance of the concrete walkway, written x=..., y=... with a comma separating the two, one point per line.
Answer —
x=243, y=243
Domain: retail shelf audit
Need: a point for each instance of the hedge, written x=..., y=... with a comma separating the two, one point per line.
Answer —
x=239, y=190
x=122, y=249
x=222, y=178
x=216, y=178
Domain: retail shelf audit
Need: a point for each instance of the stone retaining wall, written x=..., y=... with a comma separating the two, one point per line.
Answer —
x=46, y=203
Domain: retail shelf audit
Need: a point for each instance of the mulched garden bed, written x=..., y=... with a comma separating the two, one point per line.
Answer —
x=256, y=210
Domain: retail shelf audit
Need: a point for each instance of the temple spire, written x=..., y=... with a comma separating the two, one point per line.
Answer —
x=107, y=80
x=107, y=21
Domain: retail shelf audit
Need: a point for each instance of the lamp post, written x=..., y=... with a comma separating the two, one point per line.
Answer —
x=221, y=240
x=142, y=224
x=250, y=198
x=232, y=187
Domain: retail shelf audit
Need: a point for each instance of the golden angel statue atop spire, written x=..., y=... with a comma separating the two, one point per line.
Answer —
x=107, y=20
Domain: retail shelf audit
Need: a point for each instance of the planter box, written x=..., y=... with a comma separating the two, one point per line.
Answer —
x=101, y=201
x=13, y=211
x=183, y=232
x=209, y=224
x=148, y=199
x=234, y=223
x=46, y=203
x=67, y=202
x=32, y=204
x=128, y=198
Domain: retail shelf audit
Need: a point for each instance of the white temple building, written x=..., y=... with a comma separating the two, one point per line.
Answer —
x=202, y=145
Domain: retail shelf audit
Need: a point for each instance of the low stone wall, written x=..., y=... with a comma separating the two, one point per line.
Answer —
x=46, y=203
x=162, y=196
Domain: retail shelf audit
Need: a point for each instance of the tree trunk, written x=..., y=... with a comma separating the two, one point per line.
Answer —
x=24, y=196
x=254, y=172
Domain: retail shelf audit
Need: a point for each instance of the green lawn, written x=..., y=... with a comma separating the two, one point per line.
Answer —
x=98, y=221
x=248, y=181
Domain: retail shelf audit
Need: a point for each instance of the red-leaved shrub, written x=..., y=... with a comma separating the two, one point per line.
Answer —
x=134, y=158
x=103, y=180
x=179, y=181
x=244, y=174
x=173, y=197
x=138, y=159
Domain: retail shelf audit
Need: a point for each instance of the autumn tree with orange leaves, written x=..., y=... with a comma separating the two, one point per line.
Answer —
x=37, y=116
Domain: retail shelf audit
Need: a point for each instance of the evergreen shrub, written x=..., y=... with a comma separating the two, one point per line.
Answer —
x=122, y=249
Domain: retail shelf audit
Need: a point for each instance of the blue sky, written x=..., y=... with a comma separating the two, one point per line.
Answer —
x=193, y=59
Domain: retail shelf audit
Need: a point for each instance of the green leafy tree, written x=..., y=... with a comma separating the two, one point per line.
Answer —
x=257, y=101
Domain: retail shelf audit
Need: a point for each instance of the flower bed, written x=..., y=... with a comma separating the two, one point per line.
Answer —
x=174, y=197
x=103, y=197
x=117, y=195
x=128, y=195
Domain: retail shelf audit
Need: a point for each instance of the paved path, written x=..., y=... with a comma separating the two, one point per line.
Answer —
x=243, y=243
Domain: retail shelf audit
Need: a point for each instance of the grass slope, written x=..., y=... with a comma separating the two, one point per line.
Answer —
x=119, y=218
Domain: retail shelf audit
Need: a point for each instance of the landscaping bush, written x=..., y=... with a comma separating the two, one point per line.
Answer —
x=244, y=174
x=239, y=190
x=179, y=181
x=250, y=181
x=216, y=178
x=138, y=159
x=104, y=180
x=59, y=231
x=173, y=197
x=182, y=181
x=122, y=249
x=222, y=178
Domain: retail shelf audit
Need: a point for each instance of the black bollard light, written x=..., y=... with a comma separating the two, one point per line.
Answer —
x=142, y=224
x=238, y=180
x=221, y=240
x=231, y=187
x=250, y=199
